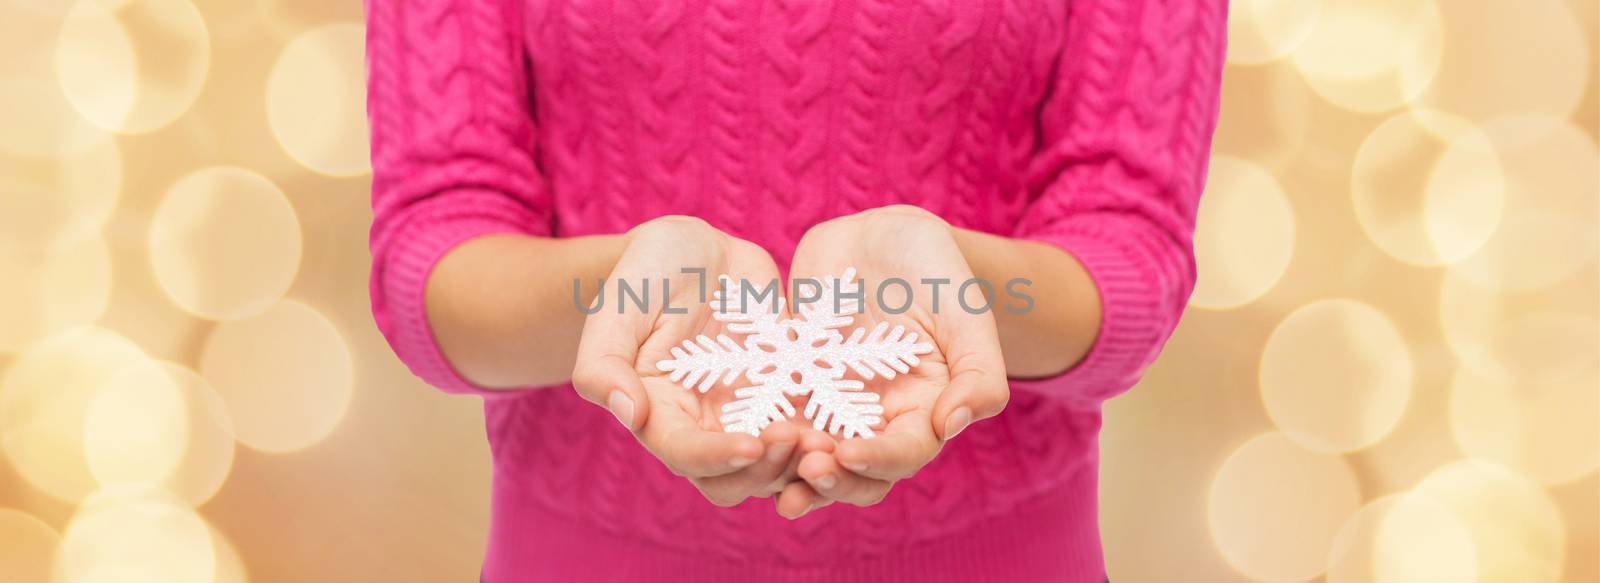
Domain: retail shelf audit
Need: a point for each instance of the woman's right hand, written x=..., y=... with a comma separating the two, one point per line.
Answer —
x=621, y=344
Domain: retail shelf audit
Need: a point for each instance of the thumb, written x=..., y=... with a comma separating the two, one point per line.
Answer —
x=604, y=373
x=610, y=382
x=978, y=387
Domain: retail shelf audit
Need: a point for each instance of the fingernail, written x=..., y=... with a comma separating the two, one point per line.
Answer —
x=807, y=510
x=856, y=467
x=741, y=462
x=827, y=481
x=621, y=406
x=957, y=421
x=779, y=452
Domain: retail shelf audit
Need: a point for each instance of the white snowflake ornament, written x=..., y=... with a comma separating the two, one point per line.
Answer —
x=805, y=356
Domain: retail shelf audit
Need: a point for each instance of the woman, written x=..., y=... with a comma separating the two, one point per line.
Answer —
x=520, y=146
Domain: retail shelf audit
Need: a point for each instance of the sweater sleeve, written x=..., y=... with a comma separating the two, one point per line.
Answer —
x=1125, y=139
x=453, y=154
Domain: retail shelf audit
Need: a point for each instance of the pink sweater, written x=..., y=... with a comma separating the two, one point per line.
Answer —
x=1080, y=123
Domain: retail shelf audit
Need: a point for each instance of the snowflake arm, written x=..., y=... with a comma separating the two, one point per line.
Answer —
x=882, y=352
x=756, y=407
x=840, y=406
x=703, y=360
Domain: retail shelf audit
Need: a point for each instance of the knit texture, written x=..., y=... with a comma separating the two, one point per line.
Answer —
x=1085, y=124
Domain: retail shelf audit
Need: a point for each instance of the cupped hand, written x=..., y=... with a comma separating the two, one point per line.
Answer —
x=961, y=381
x=621, y=344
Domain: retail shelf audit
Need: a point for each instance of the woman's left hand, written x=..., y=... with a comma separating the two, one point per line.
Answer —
x=962, y=381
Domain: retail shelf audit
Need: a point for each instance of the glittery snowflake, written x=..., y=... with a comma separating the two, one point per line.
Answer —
x=804, y=356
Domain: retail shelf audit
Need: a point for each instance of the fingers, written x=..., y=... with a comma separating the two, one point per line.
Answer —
x=831, y=480
x=765, y=477
x=904, y=446
x=693, y=452
x=798, y=499
x=690, y=450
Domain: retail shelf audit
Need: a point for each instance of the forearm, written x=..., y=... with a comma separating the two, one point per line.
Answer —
x=501, y=307
x=1065, y=319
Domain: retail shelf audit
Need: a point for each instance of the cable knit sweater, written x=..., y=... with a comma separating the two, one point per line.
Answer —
x=1081, y=123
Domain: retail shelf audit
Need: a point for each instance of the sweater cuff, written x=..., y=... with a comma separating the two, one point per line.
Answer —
x=1134, y=323
x=401, y=303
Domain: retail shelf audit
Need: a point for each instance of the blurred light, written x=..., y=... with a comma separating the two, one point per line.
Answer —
x=133, y=66
x=28, y=545
x=285, y=374
x=209, y=457
x=135, y=535
x=1486, y=170
x=139, y=308
x=288, y=18
x=1548, y=432
x=1552, y=198
x=37, y=119
x=1274, y=508
x=1372, y=55
x=1538, y=336
x=225, y=243
x=1244, y=237
x=317, y=100
x=1261, y=31
x=47, y=293
x=1336, y=375
x=1266, y=114
x=1427, y=198
x=44, y=400
x=1403, y=539
x=136, y=427
x=48, y=204
x=1515, y=526
x=1508, y=57
x=230, y=567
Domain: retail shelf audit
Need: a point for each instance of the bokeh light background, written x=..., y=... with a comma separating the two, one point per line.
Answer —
x=1388, y=372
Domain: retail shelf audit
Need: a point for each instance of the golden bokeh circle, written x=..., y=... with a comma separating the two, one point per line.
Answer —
x=1427, y=187
x=49, y=292
x=1515, y=526
x=1336, y=375
x=52, y=203
x=1275, y=507
x=288, y=18
x=230, y=566
x=37, y=119
x=1545, y=431
x=1262, y=31
x=316, y=100
x=1547, y=231
x=1403, y=538
x=225, y=243
x=136, y=428
x=1372, y=55
x=135, y=534
x=1545, y=335
x=208, y=459
x=44, y=400
x=1267, y=117
x=28, y=546
x=1244, y=236
x=1511, y=57
x=285, y=374
x=133, y=66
